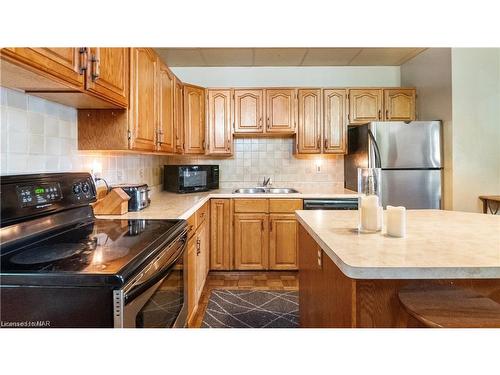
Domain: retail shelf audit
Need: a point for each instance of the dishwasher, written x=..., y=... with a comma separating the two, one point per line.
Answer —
x=331, y=204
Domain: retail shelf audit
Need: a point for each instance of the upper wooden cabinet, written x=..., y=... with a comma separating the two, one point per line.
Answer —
x=107, y=74
x=78, y=77
x=143, y=101
x=280, y=111
x=309, y=121
x=334, y=121
x=248, y=111
x=219, y=126
x=178, y=116
x=166, y=125
x=399, y=104
x=365, y=105
x=194, y=120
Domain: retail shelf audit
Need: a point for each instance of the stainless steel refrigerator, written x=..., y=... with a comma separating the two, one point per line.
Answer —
x=409, y=154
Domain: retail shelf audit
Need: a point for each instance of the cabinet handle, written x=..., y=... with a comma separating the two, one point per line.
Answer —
x=319, y=142
x=270, y=225
x=260, y=123
x=326, y=143
x=379, y=114
x=84, y=59
x=95, y=69
x=262, y=225
x=386, y=114
x=203, y=144
x=190, y=228
x=198, y=246
x=267, y=122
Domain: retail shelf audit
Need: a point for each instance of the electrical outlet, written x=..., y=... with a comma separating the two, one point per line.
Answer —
x=119, y=175
x=141, y=173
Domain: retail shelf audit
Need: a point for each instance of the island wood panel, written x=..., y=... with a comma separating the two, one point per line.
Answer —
x=143, y=101
x=194, y=120
x=219, y=110
x=220, y=234
x=334, y=121
x=178, y=116
x=280, y=111
x=251, y=244
x=365, y=105
x=108, y=74
x=166, y=122
x=283, y=242
x=399, y=104
x=248, y=111
x=309, y=121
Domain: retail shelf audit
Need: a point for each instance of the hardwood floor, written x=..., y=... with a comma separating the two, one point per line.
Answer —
x=277, y=280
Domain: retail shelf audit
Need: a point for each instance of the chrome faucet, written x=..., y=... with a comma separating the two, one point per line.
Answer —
x=266, y=182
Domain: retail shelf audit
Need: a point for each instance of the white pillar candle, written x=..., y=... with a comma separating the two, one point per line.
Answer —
x=370, y=213
x=396, y=221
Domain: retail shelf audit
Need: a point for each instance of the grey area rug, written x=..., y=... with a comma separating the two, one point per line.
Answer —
x=252, y=309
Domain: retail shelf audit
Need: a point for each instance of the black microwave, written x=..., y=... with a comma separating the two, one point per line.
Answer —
x=190, y=178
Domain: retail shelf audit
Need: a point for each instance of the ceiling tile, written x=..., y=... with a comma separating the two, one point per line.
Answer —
x=181, y=56
x=329, y=56
x=279, y=56
x=384, y=56
x=227, y=56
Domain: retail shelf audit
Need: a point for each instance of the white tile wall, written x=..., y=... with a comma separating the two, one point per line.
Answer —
x=41, y=136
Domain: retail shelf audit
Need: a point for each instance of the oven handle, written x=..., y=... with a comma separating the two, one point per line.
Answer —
x=138, y=286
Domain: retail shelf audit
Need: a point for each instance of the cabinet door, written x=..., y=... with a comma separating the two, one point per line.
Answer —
x=166, y=136
x=283, y=240
x=220, y=109
x=66, y=64
x=251, y=240
x=178, y=116
x=334, y=122
x=143, y=102
x=220, y=234
x=192, y=299
x=280, y=111
x=248, y=111
x=365, y=105
x=399, y=104
x=108, y=74
x=201, y=260
x=309, y=122
x=194, y=120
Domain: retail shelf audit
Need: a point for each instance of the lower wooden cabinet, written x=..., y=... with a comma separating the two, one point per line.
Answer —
x=220, y=234
x=251, y=241
x=283, y=237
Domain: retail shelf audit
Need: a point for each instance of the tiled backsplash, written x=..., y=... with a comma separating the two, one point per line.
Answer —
x=41, y=136
x=255, y=159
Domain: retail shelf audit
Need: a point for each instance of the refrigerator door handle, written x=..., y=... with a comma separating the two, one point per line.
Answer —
x=378, y=163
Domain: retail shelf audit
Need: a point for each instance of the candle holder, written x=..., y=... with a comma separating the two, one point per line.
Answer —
x=369, y=200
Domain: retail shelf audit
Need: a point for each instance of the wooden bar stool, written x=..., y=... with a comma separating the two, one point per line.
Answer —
x=443, y=306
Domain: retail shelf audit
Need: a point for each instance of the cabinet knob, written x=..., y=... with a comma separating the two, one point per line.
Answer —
x=95, y=72
x=386, y=114
x=319, y=142
x=379, y=114
x=326, y=143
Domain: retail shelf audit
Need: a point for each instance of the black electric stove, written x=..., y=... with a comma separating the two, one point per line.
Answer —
x=61, y=265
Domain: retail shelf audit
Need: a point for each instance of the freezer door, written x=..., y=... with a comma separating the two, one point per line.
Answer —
x=416, y=144
x=412, y=188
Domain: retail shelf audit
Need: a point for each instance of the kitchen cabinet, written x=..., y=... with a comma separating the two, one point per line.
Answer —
x=220, y=234
x=143, y=101
x=219, y=126
x=365, y=105
x=248, y=111
x=178, y=116
x=283, y=237
x=399, y=104
x=309, y=121
x=194, y=120
x=334, y=121
x=166, y=126
x=202, y=253
x=251, y=242
x=77, y=77
x=280, y=111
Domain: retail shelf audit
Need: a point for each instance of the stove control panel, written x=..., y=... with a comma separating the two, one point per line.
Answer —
x=40, y=194
x=82, y=190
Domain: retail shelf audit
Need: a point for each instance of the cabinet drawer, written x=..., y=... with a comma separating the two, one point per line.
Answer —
x=191, y=225
x=201, y=214
x=251, y=205
x=284, y=205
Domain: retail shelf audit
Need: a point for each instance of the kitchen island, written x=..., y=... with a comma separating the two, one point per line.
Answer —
x=348, y=279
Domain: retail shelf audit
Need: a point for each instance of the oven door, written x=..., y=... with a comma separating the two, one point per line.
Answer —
x=156, y=297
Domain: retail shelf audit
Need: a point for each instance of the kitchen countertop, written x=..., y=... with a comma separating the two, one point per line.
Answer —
x=165, y=205
x=439, y=245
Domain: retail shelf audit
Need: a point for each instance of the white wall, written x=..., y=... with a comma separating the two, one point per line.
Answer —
x=430, y=73
x=476, y=125
x=310, y=76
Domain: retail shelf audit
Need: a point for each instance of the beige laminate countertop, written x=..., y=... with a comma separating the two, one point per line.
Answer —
x=165, y=205
x=438, y=245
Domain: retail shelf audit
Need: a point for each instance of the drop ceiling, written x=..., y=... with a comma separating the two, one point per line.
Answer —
x=287, y=56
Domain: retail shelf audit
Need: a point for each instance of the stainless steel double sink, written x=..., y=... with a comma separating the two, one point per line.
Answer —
x=265, y=190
